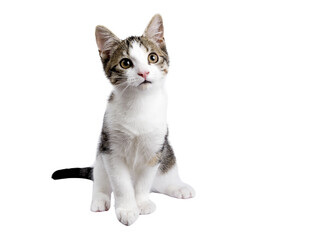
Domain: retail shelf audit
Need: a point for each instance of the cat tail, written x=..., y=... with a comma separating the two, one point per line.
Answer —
x=86, y=173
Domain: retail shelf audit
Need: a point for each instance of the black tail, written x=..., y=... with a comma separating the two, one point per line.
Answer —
x=86, y=173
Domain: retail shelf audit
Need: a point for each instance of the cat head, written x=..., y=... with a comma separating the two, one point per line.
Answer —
x=137, y=63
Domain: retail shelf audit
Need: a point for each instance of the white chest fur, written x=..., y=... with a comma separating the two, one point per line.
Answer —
x=137, y=124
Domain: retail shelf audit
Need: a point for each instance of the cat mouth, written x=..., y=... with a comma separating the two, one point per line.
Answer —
x=145, y=82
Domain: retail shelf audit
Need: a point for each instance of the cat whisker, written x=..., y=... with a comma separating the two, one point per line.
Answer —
x=121, y=93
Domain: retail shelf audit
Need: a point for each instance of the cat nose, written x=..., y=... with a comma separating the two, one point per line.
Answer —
x=143, y=74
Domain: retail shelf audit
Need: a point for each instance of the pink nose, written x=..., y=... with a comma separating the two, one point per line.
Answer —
x=144, y=75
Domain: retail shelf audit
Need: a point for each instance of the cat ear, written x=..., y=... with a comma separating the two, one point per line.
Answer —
x=106, y=41
x=154, y=30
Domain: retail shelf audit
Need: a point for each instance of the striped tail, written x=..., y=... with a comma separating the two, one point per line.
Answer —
x=86, y=173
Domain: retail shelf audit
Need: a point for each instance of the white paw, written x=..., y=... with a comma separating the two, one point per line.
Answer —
x=100, y=203
x=127, y=216
x=182, y=192
x=146, y=207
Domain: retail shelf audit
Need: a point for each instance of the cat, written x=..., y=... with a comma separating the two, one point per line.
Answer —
x=134, y=156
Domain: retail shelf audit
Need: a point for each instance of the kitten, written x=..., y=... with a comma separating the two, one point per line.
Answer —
x=134, y=155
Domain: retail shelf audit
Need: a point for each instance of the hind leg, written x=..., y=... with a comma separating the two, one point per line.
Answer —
x=169, y=183
x=101, y=194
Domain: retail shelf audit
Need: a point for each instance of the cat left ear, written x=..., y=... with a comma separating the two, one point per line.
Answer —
x=106, y=41
x=154, y=30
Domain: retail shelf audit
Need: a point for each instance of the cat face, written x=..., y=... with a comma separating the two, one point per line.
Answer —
x=137, y=63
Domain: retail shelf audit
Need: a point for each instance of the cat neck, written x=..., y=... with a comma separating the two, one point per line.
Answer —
x=138, y=112
x=138, y=96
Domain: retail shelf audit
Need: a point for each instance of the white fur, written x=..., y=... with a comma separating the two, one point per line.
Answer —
x=136, y=121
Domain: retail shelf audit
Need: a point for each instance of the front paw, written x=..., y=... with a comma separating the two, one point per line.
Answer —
x=100, y=203
x=127, y=216
x=146, y=207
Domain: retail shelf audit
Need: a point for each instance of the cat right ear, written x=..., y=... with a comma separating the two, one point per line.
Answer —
x=106, y=41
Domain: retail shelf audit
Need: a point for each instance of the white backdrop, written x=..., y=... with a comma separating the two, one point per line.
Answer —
x=243, y=116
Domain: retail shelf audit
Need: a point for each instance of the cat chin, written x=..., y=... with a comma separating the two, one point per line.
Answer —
x=145, y=86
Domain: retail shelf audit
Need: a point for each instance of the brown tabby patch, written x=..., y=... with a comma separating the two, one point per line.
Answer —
x=167, y=157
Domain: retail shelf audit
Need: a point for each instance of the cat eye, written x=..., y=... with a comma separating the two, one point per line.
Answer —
x=126, y=63
x=153, y=58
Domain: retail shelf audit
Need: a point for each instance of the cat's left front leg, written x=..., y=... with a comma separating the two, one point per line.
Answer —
x=143, y=183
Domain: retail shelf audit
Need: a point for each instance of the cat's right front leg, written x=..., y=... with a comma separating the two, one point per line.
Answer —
x=125, y=204
x=101, y=194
